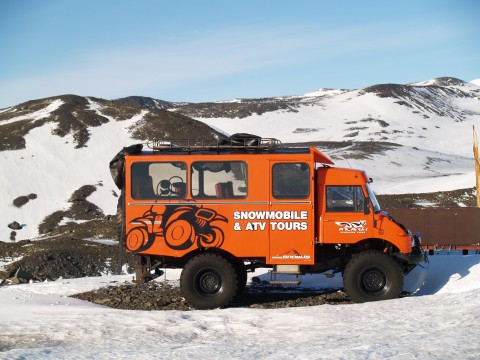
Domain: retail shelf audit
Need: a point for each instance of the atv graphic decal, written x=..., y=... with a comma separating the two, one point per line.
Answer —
x=180, y=227
x=346, y=227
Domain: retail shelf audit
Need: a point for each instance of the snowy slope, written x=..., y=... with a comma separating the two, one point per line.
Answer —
x=441, y=321
x=407, y=170
x=361, y=116
x=436, y=139
x=53, y=168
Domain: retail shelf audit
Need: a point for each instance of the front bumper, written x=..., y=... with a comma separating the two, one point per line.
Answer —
x=416, y=256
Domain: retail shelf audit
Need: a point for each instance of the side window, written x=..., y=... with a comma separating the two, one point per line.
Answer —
x=158, y=180
x=219, y=180
x=345, y=199
x=290, y=180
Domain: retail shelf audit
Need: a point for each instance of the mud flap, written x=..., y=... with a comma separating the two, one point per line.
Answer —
x=143, y=272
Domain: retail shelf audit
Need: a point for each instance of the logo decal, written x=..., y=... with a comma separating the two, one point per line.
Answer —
x=180, y=227
x=352, y=227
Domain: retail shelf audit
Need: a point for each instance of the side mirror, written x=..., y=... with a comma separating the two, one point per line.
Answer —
x=366, y=205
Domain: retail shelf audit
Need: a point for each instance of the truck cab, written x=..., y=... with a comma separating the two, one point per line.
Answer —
x=220, y=210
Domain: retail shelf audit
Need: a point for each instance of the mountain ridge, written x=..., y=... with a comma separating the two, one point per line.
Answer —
x=417, y=139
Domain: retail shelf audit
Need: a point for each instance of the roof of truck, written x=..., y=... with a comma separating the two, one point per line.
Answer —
x=236, y=144
x=244, y=145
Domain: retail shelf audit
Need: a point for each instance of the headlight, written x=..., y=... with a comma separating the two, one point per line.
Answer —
x=417, y=240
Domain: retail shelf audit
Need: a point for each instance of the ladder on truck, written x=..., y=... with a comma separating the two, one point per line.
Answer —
x=291, y=270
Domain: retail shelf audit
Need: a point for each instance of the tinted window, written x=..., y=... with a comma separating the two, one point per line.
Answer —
x=158, y=180
x=291, y=180
x=345, y=199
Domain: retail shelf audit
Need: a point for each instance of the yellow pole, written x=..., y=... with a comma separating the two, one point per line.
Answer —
x=477, y=164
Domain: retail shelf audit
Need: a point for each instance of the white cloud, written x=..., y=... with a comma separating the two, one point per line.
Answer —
x=172, y=63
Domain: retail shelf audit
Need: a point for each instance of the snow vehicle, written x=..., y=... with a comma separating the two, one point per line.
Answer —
x=220, y=210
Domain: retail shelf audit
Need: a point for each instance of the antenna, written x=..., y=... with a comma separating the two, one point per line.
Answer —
x=343, y=158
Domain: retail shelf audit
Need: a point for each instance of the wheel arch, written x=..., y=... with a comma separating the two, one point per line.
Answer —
x=379, y=244
x=218, y=251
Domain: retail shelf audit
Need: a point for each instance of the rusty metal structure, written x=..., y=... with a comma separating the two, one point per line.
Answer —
x=443, y=228
x=477, y=165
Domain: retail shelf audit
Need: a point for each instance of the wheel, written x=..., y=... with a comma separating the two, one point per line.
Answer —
x=372, y=276
x=208, y=281
x=136, y=238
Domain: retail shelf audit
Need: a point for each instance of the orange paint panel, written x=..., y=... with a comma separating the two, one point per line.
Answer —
x=239, y=204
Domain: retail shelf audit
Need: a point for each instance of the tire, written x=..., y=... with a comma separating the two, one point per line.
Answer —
x=372, y=276
x=208, y=281
x=242, y=278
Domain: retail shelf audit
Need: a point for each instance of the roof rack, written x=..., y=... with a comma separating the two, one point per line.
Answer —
x=246, y=144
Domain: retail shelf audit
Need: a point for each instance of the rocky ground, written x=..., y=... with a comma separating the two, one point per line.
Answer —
x=162, y=295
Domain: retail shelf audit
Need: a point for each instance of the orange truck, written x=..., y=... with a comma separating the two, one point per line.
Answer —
x=221, y=210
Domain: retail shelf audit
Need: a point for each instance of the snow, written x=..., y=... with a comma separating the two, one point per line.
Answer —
x=324, y=92
x=37, y=115
x=476, y=82
x=51, y=167
x=357, y=117
x=440, y=320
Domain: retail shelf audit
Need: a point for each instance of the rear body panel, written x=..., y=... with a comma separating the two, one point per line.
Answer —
x=252, y=222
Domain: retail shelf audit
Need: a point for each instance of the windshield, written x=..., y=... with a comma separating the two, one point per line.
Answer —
x=373, y=199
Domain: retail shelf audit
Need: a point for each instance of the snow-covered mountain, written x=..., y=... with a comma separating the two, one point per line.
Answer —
x=424, y=114
x=410, y=138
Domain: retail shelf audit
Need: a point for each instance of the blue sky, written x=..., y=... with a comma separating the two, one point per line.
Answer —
x=220, y=49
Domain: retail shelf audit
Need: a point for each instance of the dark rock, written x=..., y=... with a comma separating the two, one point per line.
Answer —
x=20, y=201
x=23, y=276
x=15, y=225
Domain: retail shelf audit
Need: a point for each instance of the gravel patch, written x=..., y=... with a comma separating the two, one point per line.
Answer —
x=166, y=295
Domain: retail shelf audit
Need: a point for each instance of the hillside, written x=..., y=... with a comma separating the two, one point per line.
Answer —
x=420, y=115
x=413, y=138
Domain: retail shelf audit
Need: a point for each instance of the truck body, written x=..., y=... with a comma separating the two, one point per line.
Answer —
x=220, y=211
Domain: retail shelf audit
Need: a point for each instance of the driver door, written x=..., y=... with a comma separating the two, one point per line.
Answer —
x=345, y=221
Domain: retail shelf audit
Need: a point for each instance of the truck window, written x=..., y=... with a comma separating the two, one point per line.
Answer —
x=153, y=180
x=345, y=199
x=219, y=180
x=290, y=180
